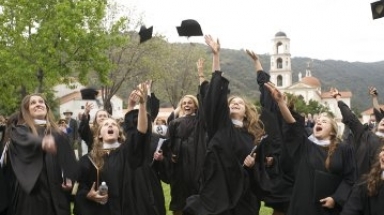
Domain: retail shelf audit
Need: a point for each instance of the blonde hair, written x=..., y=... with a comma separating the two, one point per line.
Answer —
x=193, y=98
x=335, y=140
x=251, y=120
x=97, y=152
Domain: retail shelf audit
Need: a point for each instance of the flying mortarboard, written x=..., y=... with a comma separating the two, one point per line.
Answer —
x=88, y=94
x=189, y=27
x=377, y=9
x=145, y=33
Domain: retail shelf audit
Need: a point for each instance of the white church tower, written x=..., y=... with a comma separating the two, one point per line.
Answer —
x=281, y=73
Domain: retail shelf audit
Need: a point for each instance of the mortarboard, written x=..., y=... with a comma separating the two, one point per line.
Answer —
x=189, y=27
x=145, y=33
x=88, y=94
x=377, y=9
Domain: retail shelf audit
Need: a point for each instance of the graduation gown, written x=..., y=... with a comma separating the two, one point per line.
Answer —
x=147, y=190
x=187, y=143
x=365, y=143
x=359, y=203
x=38, y=175
x=226, y=184
x=117, y=172
x=310, y=158
x=276, y=180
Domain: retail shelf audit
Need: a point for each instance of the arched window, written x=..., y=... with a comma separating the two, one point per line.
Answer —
x=279, y=80
x=279, y=47
x=279, y=63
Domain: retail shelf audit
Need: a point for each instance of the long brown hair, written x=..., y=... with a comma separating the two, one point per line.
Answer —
x=373, y=178
x=251, y=120
x=26, y=118
x=97, y=153
x=95, y=125
x=334, y=139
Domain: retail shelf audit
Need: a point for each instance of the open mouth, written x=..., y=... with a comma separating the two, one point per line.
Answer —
x=110, y=131
x=317, y=129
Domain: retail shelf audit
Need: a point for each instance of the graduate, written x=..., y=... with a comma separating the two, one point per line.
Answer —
x=112, y=160
x=186, y=152
x=367, y=197
x=147, y=189
x=86, y=132
x=42, y=162
x=234, y=129
x=273, y=161
x=365, y=142
x=325, y=170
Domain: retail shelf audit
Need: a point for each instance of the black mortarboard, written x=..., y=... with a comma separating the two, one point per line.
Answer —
x=145, y=33
x=377, y=9
x=189, y=27
x=88, y=94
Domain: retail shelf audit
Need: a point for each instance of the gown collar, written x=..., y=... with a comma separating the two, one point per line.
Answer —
x=323, y=143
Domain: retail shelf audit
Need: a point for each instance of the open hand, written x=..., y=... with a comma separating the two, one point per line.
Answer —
x=215, y=45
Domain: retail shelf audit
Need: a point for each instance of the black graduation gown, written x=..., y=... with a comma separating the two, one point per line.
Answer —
x=226, y=184
x=187, y=142
x=117, y=173
x=39, y=175
x=85, y=131
x=359, y=203
x=365, y=143
x=146, y=185
x=310, y=158
x=278, y=179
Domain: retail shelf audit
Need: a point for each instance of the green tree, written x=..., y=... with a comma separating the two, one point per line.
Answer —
x=44, y=42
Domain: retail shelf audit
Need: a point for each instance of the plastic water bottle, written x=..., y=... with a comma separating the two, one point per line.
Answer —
x=103, y=190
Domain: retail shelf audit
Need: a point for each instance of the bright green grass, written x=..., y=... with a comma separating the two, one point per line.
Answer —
x=263, y=210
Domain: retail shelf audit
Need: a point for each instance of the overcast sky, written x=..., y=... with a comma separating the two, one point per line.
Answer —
x=318, y=29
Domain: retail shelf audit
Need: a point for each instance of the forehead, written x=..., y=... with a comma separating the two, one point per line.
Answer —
x=187, y=99
x=109, y=121
x=34, y=98
x=236, y=99
x=102, y=112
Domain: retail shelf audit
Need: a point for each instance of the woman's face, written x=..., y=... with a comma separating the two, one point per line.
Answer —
x=101, y=116
x=237, y=108
x=109, y=131
x=381, y=158
x=37, y=107
x=322, y=129
x=380, y=126
x=188, y=106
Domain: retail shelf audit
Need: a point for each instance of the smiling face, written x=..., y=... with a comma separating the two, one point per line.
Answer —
x=237, y=108
x=109, y=131
x=188, y=106
x=324, y=128
x=37, y=107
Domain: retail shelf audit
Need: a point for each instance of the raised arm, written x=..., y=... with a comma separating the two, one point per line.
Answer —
x=279, y=98
x=375, y=104
x=142, y=120
x=215, y=47
x=200, y=70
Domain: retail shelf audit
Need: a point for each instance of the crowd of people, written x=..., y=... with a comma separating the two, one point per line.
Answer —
x=219, y=153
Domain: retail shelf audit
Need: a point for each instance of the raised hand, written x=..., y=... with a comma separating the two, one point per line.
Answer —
x=276, y=94
x=141, y=93
x=373, y=91
x=334, y=92
x=88, y=108
x=200, y=67
x=252, y=55
x=215, y=45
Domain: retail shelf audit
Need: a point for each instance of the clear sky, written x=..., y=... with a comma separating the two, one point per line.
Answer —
x=318, y=29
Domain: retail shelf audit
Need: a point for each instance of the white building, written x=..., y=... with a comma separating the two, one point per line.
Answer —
x=70, y=99
x=307, y=87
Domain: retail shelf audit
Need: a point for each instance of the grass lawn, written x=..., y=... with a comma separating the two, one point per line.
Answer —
x=263, y=210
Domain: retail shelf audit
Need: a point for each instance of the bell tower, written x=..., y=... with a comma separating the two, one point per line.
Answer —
x=281, y=73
